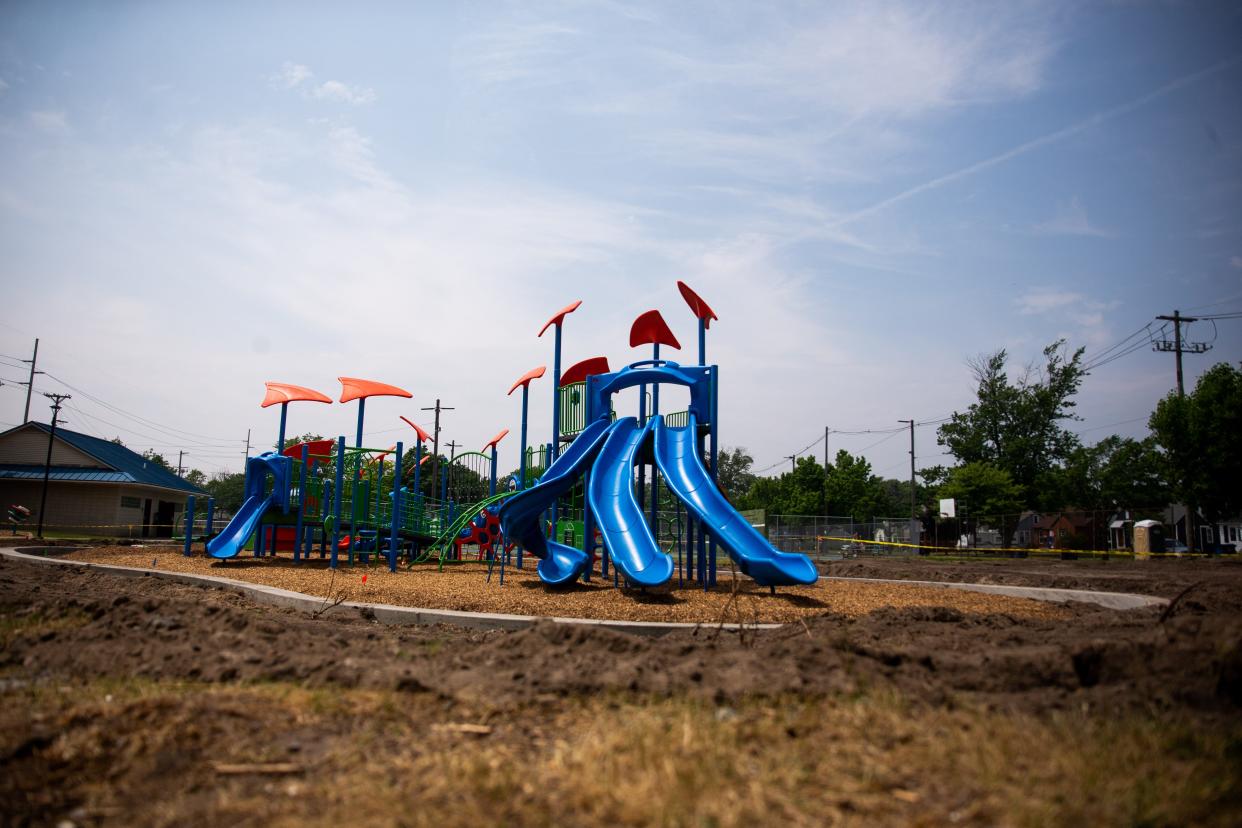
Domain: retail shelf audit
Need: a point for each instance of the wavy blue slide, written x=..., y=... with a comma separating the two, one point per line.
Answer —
x=685, y=475
x=521, y=516
x=631, y=545
x=235, y=536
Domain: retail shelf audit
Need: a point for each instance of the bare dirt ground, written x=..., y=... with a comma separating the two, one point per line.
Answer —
x=143, y=702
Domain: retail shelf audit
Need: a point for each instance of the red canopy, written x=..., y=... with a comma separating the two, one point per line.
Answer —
x=357, y=389
x=283, y=392
x=696, y=303
x=532, y=374
x=580, y=371
x=317, y=450
x=492, y=442
x=422, y=435
x=560, y=315
x=651, y=329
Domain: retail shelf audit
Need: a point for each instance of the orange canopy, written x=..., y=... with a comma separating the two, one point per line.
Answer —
x=492, y=442
x=357, y=389
x=422, y=435
x=651, y=329
x=283, y=392
x=532, y=374
x=696, y=303
x=560, y=315
x=580, y=371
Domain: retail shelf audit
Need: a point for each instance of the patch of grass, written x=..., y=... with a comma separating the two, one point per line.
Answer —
x=37, y=624
x=875, y=757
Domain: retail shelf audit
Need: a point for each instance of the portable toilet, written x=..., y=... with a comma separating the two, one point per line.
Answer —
x=1148, y=538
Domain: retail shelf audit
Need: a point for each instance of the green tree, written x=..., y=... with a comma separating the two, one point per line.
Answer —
x=851, y=489
x=733, y=473
x=196, y=478
x=983, y=490
x=1115, y=473
x=1201, y=434
x=1016, y=426
x=227, y=489
x=153, y=456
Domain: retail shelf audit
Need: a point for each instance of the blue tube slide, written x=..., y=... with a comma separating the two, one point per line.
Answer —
x=235, y=536
x=684, y=474
x=521, y=516
x=618, y=513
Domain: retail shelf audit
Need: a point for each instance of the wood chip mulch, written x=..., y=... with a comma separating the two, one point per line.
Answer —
x=465, y=587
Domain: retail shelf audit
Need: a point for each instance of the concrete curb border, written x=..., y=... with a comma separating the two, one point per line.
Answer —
x=1108, y=600
x=389, y=614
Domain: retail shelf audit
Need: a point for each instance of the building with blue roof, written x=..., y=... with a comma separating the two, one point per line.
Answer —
x=96, y=487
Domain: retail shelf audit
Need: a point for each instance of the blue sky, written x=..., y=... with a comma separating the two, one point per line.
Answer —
x=195, y=198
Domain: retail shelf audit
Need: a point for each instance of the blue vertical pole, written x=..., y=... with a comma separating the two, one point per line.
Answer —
x=189, y=523
x=714, y=432
x=297, y=533
x=338, y=495
x=702, y=342
x=362, y=405
x=396, y=510
x=418, y=466
x=556, y=414
x=655, y=484
x=280, y=443
x=522, y=466
x=492, y=489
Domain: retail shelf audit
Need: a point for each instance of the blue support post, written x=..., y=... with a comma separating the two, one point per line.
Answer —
x=556, y=415
x=418, y=465
x=338, y=494
x=492, y=488
x=702, y=342
x=189, y=524
x=522, y=460
x=396, y=510
x=655, y=483
x=362, y=405
x=713, y=432
x=280, y=442
x=355, y=486
x=297, y=533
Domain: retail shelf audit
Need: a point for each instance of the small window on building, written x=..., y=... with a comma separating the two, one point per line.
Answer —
x=128, y=502
x=1064, y=532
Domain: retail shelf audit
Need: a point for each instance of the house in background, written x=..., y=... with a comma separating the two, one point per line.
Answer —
x=95, y=487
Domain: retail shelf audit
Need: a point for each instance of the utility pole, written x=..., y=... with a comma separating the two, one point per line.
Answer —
x=1178, y=347
x=793, y=462
x=180, y=455
x=913, y=509
x=56, y=399
x=30, y=382
x=246, y=456
x=435, y=445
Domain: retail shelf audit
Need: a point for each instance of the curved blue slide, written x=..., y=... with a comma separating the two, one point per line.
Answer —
x=521, y=516
x=684, y=474
x=631, y=545
x=235, y=536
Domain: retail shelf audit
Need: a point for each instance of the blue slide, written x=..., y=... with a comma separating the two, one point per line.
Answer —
x=235, y=536
x=684, y=474
x=521, y=516
x=631, y=545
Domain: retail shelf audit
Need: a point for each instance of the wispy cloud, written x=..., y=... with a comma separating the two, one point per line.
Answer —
x=55, y=121
x=1071, y=220
x=1040, y=142
x=299, y=76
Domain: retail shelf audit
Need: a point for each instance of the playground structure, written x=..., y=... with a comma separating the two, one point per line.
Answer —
x=636, y=494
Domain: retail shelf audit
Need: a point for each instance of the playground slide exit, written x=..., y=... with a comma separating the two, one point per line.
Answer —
x=235, y=536
x=684, y=473
x=622, y=525
x=521, y=516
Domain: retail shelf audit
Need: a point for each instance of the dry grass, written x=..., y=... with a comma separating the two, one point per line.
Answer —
x=380, y=758
x=465, y=587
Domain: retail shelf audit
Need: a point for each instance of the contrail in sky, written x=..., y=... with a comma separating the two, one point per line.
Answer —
x=1036, y=143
